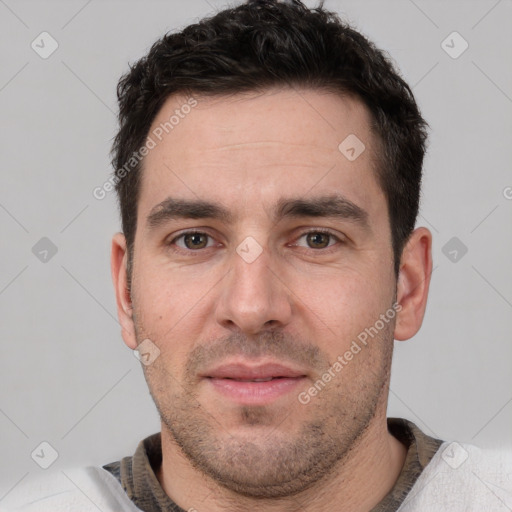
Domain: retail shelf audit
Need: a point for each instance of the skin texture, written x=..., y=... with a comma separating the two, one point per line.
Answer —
x=301, y=302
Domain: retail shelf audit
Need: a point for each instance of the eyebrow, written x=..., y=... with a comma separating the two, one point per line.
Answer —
x=330, y=206
x=172, y=208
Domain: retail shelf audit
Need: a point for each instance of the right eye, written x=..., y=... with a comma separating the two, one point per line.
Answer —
x=191, y=240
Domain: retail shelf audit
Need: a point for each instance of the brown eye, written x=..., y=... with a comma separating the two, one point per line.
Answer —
x=191, y=241
x=318, y=240
x=195, y=240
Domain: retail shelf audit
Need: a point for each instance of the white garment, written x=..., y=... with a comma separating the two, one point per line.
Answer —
x=459, y=478
x=463, y=478
x=79, y=490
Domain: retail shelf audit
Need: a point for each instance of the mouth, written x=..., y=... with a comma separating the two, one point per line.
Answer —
x=256, y=380
x=254, y=384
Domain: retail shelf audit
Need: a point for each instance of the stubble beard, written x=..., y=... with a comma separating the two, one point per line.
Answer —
x=266, y=461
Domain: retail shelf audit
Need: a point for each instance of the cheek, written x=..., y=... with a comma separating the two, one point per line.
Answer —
x=169, y=312
x=342, y=306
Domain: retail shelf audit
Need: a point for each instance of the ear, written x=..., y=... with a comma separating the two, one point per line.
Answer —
x=413, y=283
x=118, y=265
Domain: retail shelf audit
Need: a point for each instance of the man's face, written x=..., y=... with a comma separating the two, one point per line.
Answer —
x=252, y=310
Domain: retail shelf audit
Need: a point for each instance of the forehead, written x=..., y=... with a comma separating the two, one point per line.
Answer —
x=255, y=148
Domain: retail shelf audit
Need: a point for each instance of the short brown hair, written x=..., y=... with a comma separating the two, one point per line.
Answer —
x=262, y=44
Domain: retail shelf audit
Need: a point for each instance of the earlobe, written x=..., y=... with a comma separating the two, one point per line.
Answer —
x=413, y=283
x=118, y=263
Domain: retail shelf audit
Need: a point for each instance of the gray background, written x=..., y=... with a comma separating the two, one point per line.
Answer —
x=65, y=375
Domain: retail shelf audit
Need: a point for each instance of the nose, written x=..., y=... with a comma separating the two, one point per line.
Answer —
x=254, y=296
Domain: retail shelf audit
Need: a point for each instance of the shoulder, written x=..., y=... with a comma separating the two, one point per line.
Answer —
x=463, y=477
x=84, y=489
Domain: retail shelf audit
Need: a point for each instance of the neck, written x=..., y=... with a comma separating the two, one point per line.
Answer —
x=358, y=483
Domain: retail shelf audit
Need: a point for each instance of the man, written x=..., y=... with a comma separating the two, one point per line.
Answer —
x=268, y=168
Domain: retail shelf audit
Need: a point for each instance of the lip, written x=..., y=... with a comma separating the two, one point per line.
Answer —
x=257, y=384
x=242, y=371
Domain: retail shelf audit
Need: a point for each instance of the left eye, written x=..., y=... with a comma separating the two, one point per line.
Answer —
x=319, y=239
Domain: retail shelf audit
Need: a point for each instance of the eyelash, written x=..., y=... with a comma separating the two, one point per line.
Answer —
x=305, y=233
